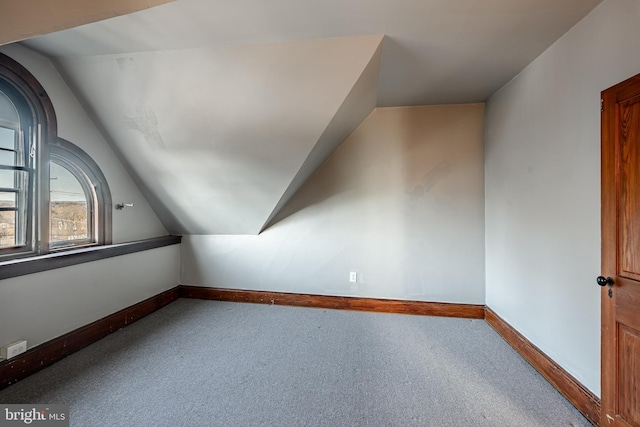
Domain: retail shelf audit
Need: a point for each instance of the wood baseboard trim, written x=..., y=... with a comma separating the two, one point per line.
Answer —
x=45, y=354
x=424, y=308
x=583, y=399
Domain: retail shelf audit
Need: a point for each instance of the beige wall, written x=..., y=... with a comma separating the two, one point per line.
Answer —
x=400, y=202
x=28, y=18
x=543, y=187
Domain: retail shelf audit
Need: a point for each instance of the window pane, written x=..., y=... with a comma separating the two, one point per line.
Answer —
x=7, y=228
x=7, y=138
x=69, y=208
x=13, y=224
x=7, y=200
x=7, y=158
x=8, y=111
x=6, y=179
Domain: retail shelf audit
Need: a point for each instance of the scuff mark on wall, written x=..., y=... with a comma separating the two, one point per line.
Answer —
x=125, y=63
x=429, y=180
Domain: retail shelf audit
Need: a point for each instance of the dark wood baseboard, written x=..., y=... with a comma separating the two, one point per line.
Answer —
x=41, y=356
x=424, y=308
x=583, y=399
x=47, y=353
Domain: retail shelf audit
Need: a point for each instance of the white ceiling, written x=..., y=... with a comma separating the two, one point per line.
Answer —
x=222, y=109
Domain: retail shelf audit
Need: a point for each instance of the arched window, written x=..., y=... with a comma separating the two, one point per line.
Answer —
x=53, y=196
x=79, y=198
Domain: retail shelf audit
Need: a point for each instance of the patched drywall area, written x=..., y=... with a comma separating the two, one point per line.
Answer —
x=543, y=188
x=400, y=202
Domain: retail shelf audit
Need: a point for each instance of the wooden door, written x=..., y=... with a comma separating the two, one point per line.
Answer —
x=621, y=254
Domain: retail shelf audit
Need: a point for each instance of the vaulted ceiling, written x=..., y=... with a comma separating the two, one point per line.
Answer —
x=221, y=110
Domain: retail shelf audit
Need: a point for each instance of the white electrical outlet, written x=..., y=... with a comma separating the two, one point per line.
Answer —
x=353, y=277
x=13, y=349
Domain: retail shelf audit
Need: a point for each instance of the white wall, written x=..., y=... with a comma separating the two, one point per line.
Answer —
x=75, y=126
x=400, y=202
x=39, y=307
x=215, y=135
x=542, y=177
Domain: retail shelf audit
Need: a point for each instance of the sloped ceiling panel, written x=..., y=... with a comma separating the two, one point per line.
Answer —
x=28, y=18
x=436, y=51
x=218, y=134
x=357, y=106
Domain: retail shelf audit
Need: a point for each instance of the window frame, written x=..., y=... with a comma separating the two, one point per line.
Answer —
x=22, y=163
x=95, y=185
x=36, y=109
x=40, y=131
x=91, y=201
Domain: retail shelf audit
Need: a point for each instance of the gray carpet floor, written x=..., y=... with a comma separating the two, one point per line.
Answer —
x=209, y=363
